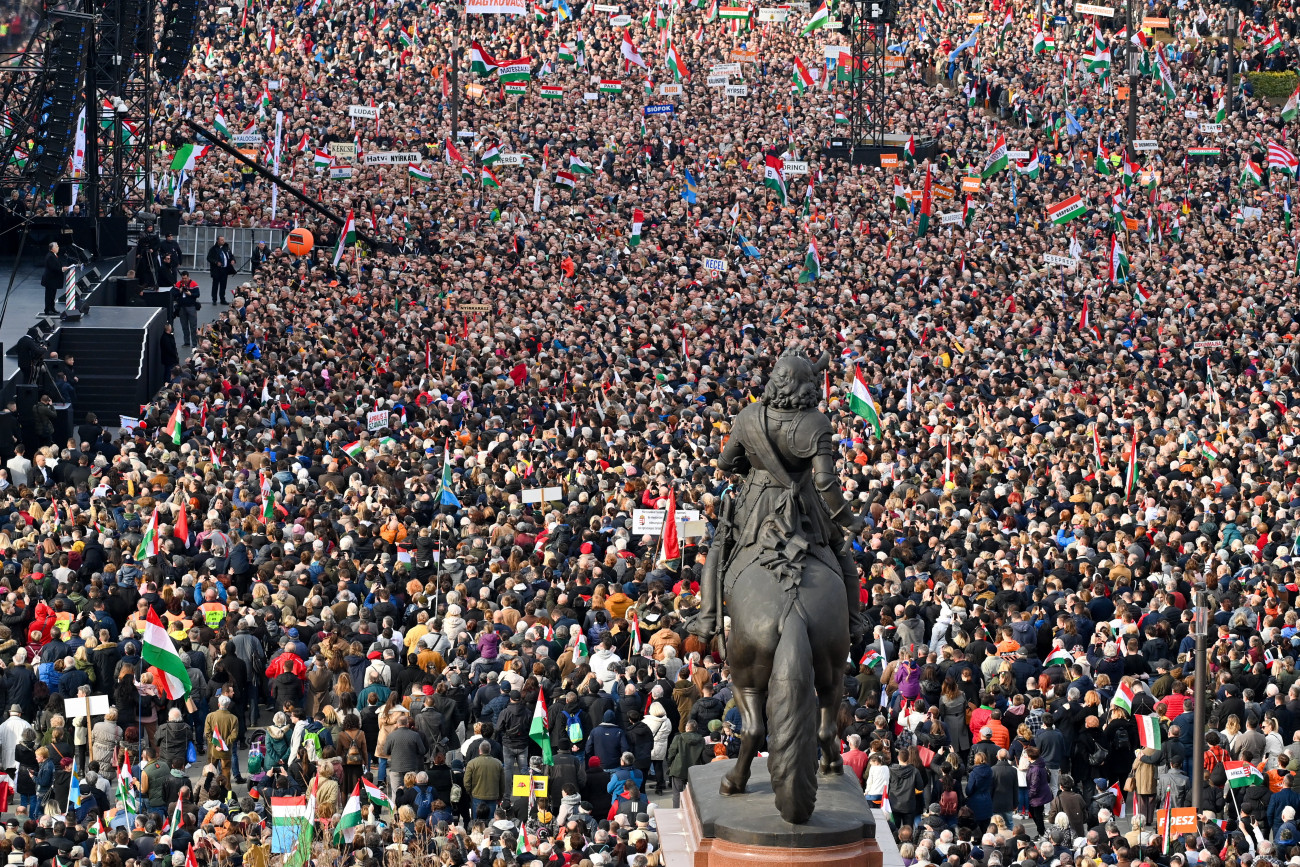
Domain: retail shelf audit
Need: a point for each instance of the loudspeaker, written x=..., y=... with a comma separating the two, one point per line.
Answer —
x=178, y=38
x=63, y=196
x=26, y=397
x=169, y=222
x=113, y=240
x=122, y=291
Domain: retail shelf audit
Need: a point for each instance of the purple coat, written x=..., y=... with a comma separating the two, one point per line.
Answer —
x=907, y=677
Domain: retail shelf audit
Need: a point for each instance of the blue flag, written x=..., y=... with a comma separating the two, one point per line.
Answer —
x=690, y=190
x=747, y=248
x=969, y=42
x=1072, y=125
x=565, y=13
x=446, y=496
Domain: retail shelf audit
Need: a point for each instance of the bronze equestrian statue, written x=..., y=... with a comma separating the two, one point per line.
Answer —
x=781, y=568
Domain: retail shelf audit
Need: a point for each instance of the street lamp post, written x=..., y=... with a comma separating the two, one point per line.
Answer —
x=1200, y=627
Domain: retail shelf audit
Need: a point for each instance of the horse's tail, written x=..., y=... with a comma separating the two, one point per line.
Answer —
x=792, y=723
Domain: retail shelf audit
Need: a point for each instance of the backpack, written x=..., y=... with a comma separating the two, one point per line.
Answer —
x=948, y=803
x=573, y=725
x=1122, y=743
x=423, y=801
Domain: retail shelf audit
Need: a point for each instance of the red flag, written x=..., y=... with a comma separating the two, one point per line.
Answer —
x=182, y=529
x=567, y=266
x=518, y=374
x=672, y=546
x=190, y=860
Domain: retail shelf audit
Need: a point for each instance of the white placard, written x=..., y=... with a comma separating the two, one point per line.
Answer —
x=651, y=521
x=75, y=708
x=717, y=80
x=1145, y=144
x=725, y=69
x=390, y=158
x=715, y=264
x=1089, y=9
x=833, y=52
x=1249, y=213
x=273, y=85
x=591, y=97
x=1208, y=344
x=512, y=160
x=370, y=112
x=1017, y=155
x=692, y=529
x=340, y=173
x=795, y=167
x=670, y=90
x=776, y=15
x=1211, y=128
x=950, y=219
x=1061, y=261
x=833, y=24
x=377, y=420
x=246, y=138
x=736, y=90
x=606, y=7
x=620, y=21
x=1191, y=115
x=538, y=495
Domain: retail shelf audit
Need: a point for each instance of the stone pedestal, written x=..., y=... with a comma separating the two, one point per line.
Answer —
x=712, y=830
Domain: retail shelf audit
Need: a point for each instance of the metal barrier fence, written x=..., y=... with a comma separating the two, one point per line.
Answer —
x=195, y=242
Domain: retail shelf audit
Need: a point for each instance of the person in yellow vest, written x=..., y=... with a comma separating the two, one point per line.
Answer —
x=212, y=611
x=219, y=731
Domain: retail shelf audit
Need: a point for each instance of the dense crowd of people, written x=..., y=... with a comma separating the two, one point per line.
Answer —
x=398, y=492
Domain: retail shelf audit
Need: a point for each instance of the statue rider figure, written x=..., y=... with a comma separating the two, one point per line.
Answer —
x=791, y=505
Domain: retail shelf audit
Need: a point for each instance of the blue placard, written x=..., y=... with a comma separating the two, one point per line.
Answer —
x=1059, y=20
x=662, y=108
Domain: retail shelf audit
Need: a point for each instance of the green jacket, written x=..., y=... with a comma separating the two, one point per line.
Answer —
x=687, y=750
x=485, y=778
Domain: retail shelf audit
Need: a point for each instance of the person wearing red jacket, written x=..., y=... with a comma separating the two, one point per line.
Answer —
x=286, y=661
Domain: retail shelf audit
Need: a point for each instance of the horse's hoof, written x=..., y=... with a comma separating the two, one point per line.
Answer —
x=731, y=787
x=831, y=769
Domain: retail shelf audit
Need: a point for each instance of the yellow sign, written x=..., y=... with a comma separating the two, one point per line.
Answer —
x=520, y=786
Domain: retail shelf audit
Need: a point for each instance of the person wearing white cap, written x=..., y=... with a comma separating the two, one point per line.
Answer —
x=11, y=735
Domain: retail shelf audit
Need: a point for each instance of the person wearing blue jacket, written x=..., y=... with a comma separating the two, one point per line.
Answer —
x=979, y=789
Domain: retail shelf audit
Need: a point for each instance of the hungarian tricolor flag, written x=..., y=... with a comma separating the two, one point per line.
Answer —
x=350, y=819
x=480, y=61
x=160, y=653
x=802, y=78
x=774, y=176
x=1118, y=261
x=174, y=424
x=347, y=236
x=1148, y=730
x=1059, y=656
x=812, y=264
x=150, y=544
x=1242, y=774
x=538, y=730
x=923, y=224
x=1124, y=697
x=634, y=238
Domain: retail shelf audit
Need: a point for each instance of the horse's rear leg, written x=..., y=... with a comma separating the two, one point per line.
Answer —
x=749, y=701
x=830, y=692
x=791, y=720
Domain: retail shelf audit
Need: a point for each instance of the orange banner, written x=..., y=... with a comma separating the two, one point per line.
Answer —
x=942, y=192
x=970, y=185
x=889, y=161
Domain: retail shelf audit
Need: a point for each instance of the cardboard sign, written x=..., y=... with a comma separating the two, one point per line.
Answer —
x=1182, y=820
x=75, y=708
x=1017, y=155
x=377, y=420
x=1212, y=128
x=833, y=52
x=1208, y=344
x=970, y=185
x=725, y=69
x=476, y=309
x=1131, y=224
x=660, y=108
x=474, y=90
x=620, y=21
x=391, y=158
x=540, y=495
x=1121, y=93
x=1191, y=115
x=591, y=97
x=795, y=167
x=496, y=7
x=889, y=161
x=670, y=90
x=650, y=522
x=1060, y=261
x=521, y=783
x=717, y=80
x=943, y=192
x=508, y=159
x=1090, y=9
x=370, y=112
x=950, y=219
x=1145, y=144
x=340, y=173
x=776, y=15
x=715, y=264
x=342, y=150
x=1249, y=213
x=246, y=138
x=736, y=90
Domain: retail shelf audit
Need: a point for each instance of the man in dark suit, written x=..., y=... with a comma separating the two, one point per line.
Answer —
x=52, y=278
x=221, y=264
